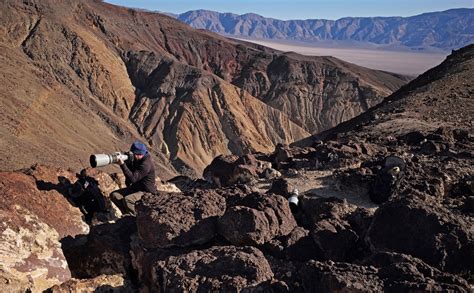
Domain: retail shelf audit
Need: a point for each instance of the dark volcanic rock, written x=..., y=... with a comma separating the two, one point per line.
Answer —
x=328, y=222
x=401, y=272
x=220, y=170
x=222, y=268
x=413, y=138
x=281, y=186
x=256, y=219
x=229, y=170
x=179, y=219
x=296, y=246
x=334, y=239
x=426, y=230
x=339, y=277
x=105, y=250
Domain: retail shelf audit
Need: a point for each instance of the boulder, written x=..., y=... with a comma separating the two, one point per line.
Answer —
x=221, y=268
x=10, y=282
x=426, y=230
x=334, y=238
x=167, y=187
x=186, y=183
x=315, y=209
x=270, y=173
x=335, y=226
x=229, y=170
x=31, y=255
x=256, y=219
x=99, y=284
x=282, y=155
x=339, y=277
x=179, y=219
x=105, y=250
x=282, y=187
x=220, y=170
x=296, y=246
x=403, y=273
x=412, y=138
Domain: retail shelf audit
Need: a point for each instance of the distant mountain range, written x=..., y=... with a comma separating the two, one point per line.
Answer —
x=444, y=30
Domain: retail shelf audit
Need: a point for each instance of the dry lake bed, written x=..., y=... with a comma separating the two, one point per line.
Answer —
x=404, y=62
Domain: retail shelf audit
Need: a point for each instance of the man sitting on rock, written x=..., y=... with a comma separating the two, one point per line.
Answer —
x=139, y=178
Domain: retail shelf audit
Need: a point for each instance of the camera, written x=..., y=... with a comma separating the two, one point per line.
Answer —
x=100, y=160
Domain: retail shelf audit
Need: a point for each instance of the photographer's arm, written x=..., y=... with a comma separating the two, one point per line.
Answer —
x=136, y=175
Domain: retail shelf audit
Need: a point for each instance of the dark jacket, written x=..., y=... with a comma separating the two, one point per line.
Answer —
x=140, y=175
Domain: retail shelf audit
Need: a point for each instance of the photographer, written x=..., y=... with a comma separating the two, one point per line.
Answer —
x=139, y=178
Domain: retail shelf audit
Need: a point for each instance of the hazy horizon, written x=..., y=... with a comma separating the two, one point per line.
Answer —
x=303, y=9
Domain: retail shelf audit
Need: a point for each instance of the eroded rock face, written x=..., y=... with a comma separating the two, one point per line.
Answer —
x=256, y=219
x=222, y=268
x=31, y=252
x=424, y=229
x=100, y=284
x=179, y=219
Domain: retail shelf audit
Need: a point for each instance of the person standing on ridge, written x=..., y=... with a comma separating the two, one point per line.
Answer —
x=139, y=178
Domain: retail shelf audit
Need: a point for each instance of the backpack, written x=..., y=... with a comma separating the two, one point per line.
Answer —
x=387, y=179
x=87, y=196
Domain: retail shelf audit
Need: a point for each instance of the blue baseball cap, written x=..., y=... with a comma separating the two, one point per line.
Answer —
x=138, y=148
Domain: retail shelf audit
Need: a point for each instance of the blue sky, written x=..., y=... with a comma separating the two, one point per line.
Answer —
x=302, y=9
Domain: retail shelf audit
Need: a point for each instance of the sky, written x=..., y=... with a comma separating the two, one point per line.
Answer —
x=302, y=9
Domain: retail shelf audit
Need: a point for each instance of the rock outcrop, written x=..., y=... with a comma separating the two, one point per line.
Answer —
x=32, y=258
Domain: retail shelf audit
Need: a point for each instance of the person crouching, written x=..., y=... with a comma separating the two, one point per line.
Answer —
x=139, y=179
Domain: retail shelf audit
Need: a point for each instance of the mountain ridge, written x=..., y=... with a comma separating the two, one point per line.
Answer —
x=445, y=30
